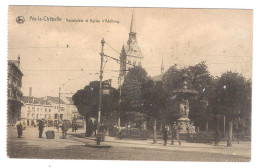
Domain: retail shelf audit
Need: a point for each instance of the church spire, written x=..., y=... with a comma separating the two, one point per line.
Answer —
x=132, y=26
x=162, y=68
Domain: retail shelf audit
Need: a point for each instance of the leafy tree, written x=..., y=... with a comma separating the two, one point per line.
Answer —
x=233, y=98
x=86, y=100
x=132, y=91
x=197, y=78
x=155, y=100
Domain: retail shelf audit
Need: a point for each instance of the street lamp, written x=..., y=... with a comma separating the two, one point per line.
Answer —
x=100, y=91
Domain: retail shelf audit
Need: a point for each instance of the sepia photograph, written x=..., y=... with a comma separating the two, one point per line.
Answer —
x=122, y=83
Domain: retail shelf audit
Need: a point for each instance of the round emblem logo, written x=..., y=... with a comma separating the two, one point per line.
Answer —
x=20, y=19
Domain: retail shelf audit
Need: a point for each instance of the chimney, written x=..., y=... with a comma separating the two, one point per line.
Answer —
x=30, y=92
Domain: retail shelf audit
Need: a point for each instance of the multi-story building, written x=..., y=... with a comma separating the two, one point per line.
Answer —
x=34, y=109
x=14, y=90
x=52, y=109
x=71, y=110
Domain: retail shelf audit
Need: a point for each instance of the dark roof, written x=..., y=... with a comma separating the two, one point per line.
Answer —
x=34, y=100
x=54, y=100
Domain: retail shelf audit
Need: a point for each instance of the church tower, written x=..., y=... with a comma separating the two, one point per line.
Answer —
x=131, y=53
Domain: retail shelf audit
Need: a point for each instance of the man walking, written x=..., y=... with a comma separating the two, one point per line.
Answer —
x=175, y=134
x=19, y=127
x=41, y=126
x=165, y=136
x=64, y=128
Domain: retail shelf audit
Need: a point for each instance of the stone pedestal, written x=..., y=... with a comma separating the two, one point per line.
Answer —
x=185, y=125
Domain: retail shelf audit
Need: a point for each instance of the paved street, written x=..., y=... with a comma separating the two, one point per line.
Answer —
x=30, y=146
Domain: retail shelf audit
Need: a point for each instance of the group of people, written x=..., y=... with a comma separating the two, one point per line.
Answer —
x=92, y=128
x=41, y=125
x=175, y=135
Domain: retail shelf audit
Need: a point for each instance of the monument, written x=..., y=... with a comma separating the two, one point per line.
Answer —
x=184, y=95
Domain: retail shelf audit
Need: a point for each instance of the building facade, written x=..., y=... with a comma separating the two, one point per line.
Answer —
x=14, y=91
x=49, y=108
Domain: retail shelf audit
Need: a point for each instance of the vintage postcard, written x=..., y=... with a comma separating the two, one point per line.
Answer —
x=113, y=83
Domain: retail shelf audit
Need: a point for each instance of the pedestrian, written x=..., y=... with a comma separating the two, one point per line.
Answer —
x=64, y=128
x=19, y=127
x=217, y=134
x=95, y=127
x=73, y=126
x=90, y=128
x=41, y=126
x=165, y=136
x=175, y=134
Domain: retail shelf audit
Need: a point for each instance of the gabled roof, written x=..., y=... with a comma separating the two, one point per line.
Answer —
x=54, y=100
x=33, y=100
x=70, y=100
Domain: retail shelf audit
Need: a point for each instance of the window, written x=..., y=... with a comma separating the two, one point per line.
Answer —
x=37, y=116
x=37, y=109
x=45, y=116
x=49, y=116
x=49, y=110
x=61, y=116
x=45, y=110
x=62, y=109
x=28, y=114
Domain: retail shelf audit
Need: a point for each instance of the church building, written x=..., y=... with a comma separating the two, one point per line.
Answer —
x=131, y=54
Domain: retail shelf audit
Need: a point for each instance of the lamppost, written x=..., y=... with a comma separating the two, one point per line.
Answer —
x=100, y=91
x=101, y=86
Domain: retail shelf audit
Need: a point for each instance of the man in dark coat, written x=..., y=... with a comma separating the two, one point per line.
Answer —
x=64, y=128
x=41, y=126
x=175, y=134
x=19, y=127
x=165, y=136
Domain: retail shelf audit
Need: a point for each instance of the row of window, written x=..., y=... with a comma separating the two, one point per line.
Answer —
x=38, y=109
x=39, y=116
x=46, y=110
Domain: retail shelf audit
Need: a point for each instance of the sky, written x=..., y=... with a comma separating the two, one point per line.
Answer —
x=66, y=54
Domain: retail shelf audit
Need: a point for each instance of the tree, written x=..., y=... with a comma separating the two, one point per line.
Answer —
x=133, y=91
x=197, y=78
x=86, y=100
x=155, y=99
x=233, y=97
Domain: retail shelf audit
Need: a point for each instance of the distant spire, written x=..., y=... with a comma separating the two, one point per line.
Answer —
x=162, y=68
x=18, y=60
x=132, y=26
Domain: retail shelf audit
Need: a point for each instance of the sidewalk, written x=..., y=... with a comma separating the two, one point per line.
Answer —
x=242, y=149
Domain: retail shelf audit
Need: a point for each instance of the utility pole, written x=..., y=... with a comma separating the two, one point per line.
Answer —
x=120, y=99
x=58, y=125
x=100, y=91
x=224, y=126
